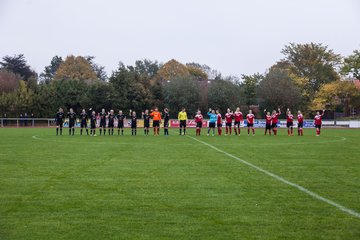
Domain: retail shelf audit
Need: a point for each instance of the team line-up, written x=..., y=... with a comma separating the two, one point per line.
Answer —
x=215, y=121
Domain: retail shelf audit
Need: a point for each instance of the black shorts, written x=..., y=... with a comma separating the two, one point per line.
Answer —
x=146, y=124
x=268, y=126
x=83, y=124
x=274, y=125
x=289, y=124
x=133, y=125
x=120, y=124
x=182, y=123
x=103, y=123
x=318, y=126
x=228, y=124
x=300, y=125
x=219, y=125
x=166, y=124
x=199, y=124
x=212, y=125
x=59, y=123
x=156, y=123
x=237, y=124
x=71, y=123
x=93, y=126
x=111, y=124
x=250, y=125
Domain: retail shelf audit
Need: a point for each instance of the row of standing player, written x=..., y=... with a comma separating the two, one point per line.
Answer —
x=110, y=116
x=272, y=120
x=215, y=120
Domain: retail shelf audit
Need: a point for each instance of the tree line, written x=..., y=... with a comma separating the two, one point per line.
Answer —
x=308, y=77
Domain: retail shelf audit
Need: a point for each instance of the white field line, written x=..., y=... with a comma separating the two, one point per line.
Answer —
x=281, y=179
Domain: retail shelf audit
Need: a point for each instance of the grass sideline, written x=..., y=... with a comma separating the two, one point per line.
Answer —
x=146, y=187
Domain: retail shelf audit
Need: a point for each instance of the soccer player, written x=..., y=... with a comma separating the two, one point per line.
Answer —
x=212, y=122
x=111, y=118
x=103, y=115
x=198, y=120
x=318, y=121
x=133, y=122
x=182, y=117
x=219, y=122
x=300, y=119
x=120, y=117
x=289, y=122
x=275, y=119
x=72, y=120
x=93, y=123
x=238, y=118
x=59, y=121
x=146, y=116
x=156, y=115
x=228, y=119
x=83, y=124
x=166, y=121
x=250, y=117
x=268, y=119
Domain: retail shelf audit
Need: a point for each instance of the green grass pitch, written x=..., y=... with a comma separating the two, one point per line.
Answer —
x=146, y=187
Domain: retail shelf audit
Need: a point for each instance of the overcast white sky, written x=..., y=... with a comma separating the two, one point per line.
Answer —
x=232, y=36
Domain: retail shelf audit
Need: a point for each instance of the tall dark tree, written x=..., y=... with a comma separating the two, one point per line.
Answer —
x=181, y=92
x=49, y=72
x=278, y=89
x=223, y=94
x=18, y=65
x=249, y=85
x=98, y=69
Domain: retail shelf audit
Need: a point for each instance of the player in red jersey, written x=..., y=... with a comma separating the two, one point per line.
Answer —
x=219, y=122
x=268, y=119
x=198, y=120
x=300, y=119
x=250, y=117
x=289, y=122
x=228, y=118
x=275, y=119
x=318, y=122
x=238, y=118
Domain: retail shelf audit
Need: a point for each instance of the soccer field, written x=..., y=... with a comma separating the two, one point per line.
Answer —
x=179, y=187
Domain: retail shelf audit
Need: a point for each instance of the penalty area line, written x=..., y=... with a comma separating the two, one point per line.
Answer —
x=283, y=180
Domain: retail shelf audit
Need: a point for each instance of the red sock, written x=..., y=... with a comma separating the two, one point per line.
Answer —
x=227, y=130
x=230, y=130
x=265, y=131
x=239, y=131
x=235, y=131
x=253, y=131
x=288, y=131
x=248, y=130
x=301, y=132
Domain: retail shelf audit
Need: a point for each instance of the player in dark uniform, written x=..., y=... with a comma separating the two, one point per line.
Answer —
x=133, y=122
x=72, y=119
x=103, y=115
x=83, y=124
x=59, y=121
x=120, y=117
x=111, y=118
x=93, y=124
x=166, y=121
x=146, y=117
